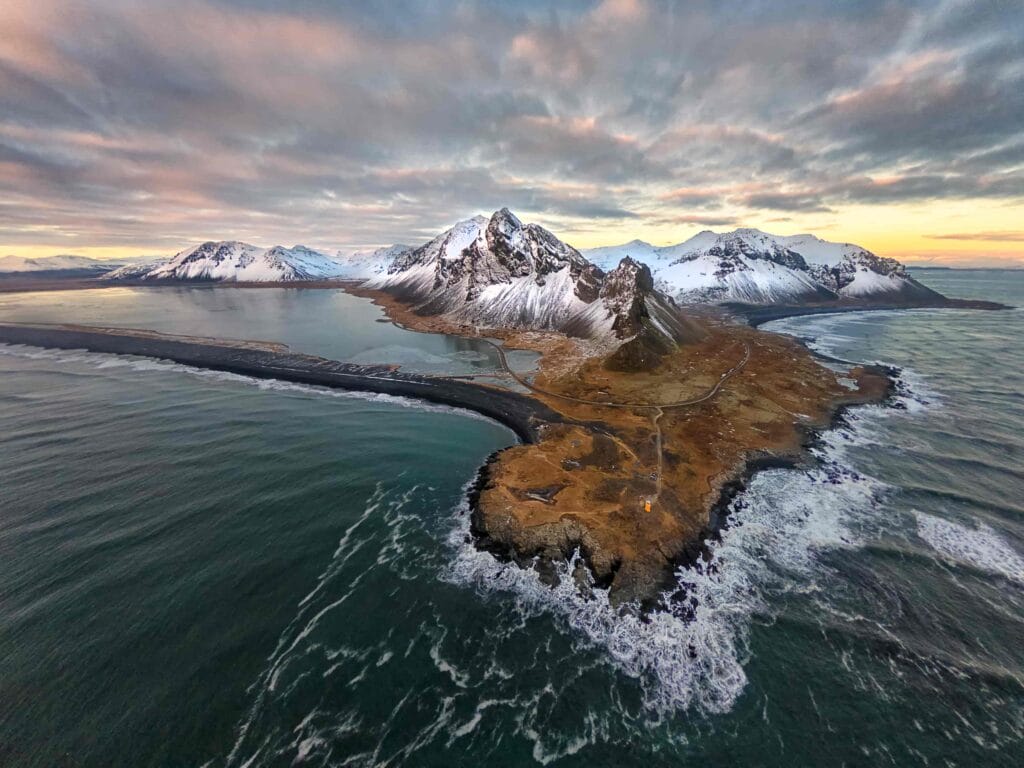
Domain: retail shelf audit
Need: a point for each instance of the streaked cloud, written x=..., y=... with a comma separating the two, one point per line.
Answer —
x=150, y=125
x=1000, y=237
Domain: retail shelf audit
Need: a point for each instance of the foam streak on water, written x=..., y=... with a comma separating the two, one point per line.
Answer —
x=980, y=547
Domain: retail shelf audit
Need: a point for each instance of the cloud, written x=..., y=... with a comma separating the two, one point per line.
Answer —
x=786, y=201
x=1001, y=237
x=337, y=123
x=702, y=220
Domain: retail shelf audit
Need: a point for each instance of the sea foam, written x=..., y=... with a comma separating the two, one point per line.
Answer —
x=694, y=657
x=777, y=529
x=981, y=547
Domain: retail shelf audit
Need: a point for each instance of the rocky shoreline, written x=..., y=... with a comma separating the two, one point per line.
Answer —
x=524, y=510
x=544, y=422
x=696, y=549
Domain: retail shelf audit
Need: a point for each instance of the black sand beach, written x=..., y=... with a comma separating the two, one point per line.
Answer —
x=523, y=415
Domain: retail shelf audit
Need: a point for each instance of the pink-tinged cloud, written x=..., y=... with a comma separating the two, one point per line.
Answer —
x=137, y=122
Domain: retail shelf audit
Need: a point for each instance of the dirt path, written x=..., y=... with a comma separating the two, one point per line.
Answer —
x=661, y=459
x=658, y=409
x=606, y=404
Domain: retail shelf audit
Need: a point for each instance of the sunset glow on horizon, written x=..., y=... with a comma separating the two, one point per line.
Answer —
x=131, y=129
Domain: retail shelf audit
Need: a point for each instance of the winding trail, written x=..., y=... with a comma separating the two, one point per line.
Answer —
x=658, y=409
x=608, y=404
x=661, y=457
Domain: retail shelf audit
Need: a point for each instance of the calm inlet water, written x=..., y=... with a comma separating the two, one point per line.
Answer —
x=329, y=323
x=198, y=569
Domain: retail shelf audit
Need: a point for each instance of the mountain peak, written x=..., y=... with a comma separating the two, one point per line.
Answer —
x=748, y=232
x=515, y=275
x=504, y=214
x=749, y=265
x=235, y=261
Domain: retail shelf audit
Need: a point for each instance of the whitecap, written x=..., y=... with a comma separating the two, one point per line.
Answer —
x=694, y=656
x=980, y=547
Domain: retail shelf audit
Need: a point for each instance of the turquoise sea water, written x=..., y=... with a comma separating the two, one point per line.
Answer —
x=199, y=569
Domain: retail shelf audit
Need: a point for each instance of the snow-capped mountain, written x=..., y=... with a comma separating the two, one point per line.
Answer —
x=499, y=272
x=232, y=261
x=55, y=264
x=750, y=266
x=136, y=270
x=362, y=265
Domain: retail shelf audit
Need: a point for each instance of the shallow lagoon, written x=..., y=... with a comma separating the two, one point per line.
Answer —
x=317, y=321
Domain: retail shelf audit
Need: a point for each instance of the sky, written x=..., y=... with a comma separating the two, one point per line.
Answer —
x=132, y=128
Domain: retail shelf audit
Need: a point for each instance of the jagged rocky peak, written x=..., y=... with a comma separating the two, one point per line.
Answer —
x=649, y=322
x=624, y=291
x=732, y=248
x=499, y=272
x=504, y=249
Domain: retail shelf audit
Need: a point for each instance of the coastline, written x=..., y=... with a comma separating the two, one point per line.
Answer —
x=529, y=416
x=582, y=490
x=14, y=283
x=697, y=549
x=558, y=531
x=523, y=415
x=756, y=315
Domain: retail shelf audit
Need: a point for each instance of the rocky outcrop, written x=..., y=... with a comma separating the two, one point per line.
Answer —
x=497, y=272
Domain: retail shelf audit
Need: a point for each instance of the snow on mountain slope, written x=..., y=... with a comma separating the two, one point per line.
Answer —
x=362, y=265
x=135, y=270
x=751, y=266
x=232, y=261
x=499, y=272
x=608, y=257
x=818, y=251
x=709, y=278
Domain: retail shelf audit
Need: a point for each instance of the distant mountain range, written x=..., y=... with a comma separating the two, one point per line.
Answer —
x=235, y=262
x=495, y=271
x=80, y=264
x=754, y=267
x=363, y=265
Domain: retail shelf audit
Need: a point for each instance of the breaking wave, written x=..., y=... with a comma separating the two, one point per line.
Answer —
x=693, y=657
x=980, y=548
x=690, y=658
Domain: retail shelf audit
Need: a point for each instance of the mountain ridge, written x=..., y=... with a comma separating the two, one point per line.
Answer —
x=748, y=265
x=499, y=272
x=235, y=261
x=60, y=263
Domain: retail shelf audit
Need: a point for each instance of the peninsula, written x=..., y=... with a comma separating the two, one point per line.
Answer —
x=647, y=412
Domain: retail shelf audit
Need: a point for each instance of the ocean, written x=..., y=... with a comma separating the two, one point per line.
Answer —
x=199, y=569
